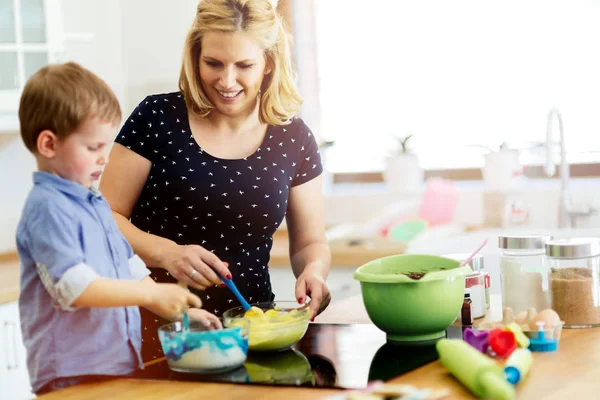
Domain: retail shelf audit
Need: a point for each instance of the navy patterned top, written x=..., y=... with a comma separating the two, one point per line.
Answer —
x=231, y=207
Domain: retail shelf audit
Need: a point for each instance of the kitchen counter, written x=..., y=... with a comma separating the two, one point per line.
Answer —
x=572, y=372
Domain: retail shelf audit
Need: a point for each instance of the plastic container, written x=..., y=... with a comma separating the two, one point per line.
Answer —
x=574, y=276
x=524, y=272
x=200, y=350
x=282, y=325
x=541, y=343
x=474, y=283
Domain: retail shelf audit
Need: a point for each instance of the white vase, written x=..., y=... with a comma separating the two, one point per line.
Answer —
x=403, y=172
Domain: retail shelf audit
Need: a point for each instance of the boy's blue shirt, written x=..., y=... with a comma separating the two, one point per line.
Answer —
x=66, y=238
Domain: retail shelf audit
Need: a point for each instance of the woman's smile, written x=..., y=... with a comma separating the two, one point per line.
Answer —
x=229, y=96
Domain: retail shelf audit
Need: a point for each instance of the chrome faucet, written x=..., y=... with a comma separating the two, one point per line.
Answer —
x=567, y=213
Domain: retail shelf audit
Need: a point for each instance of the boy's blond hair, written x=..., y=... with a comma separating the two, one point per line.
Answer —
x=279, y=98
x=59, y=98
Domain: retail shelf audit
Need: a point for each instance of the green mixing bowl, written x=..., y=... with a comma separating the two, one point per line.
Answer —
x=414, y=308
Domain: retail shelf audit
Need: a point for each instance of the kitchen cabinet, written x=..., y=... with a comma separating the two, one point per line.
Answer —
x=14, y=377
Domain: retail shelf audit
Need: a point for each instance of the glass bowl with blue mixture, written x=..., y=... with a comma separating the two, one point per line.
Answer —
x=203, y=350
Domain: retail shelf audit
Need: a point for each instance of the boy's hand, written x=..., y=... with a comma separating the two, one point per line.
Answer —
x=209, y=320
x=171, y=299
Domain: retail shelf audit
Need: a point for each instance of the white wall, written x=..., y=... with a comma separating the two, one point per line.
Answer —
x=16, y=169
x=102, y=54
x=153, y=34
x=136, y=45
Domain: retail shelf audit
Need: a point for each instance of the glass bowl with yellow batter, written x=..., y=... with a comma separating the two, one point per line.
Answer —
x=274, y=325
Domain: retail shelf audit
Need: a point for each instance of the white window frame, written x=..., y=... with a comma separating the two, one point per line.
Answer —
x=54, y=46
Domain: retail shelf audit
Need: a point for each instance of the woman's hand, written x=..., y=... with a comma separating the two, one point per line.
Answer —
x=311, y=283
x=211, y=321
x=194, y=265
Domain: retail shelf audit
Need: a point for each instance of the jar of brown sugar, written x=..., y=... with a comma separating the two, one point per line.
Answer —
x=574, y=277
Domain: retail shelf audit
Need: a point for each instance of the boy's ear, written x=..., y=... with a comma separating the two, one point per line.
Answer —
x=46, y=143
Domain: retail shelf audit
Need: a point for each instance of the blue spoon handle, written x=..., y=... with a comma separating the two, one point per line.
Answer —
x=186, y=322
x=229, y=283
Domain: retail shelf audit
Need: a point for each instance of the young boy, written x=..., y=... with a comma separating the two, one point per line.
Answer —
x=80, y=281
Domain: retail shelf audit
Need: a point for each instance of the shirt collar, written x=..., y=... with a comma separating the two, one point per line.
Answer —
x=64, y=185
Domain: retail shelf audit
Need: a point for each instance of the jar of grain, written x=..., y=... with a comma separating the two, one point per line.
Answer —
x=524, y=272
x=574, y=280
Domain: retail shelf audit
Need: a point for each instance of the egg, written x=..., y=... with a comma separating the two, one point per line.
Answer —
x=548, y=316
x=521, y=318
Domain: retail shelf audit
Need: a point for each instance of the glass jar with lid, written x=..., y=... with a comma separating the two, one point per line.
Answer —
x=574, y=276
x=524, y=272
x=474, y=283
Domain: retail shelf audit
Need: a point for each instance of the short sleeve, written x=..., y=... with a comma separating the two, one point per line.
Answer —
x=309, y=164
x=54, y=245
x=137, y=133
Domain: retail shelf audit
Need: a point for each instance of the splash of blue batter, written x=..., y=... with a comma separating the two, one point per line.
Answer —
x=176, y=344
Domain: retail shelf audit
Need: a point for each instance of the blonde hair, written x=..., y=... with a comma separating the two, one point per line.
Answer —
x=279, y=99
x=59, y=98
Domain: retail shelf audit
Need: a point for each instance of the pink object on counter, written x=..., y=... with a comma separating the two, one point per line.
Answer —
x=439, y=201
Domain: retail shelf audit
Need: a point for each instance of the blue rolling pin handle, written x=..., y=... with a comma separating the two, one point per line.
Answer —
x=229, y=283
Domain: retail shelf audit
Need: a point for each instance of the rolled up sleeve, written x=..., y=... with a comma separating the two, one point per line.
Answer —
x=70, y=286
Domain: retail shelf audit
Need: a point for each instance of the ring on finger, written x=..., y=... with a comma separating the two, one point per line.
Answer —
x=194, y=272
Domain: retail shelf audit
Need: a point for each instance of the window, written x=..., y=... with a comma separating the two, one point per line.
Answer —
x=456, y=75
x=29, y=39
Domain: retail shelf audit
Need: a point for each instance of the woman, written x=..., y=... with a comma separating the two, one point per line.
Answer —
x=200, y=179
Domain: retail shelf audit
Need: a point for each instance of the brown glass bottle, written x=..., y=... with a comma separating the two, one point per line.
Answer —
x=465, y=313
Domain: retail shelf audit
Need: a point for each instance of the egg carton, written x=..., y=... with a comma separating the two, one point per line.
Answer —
x=524, y=321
